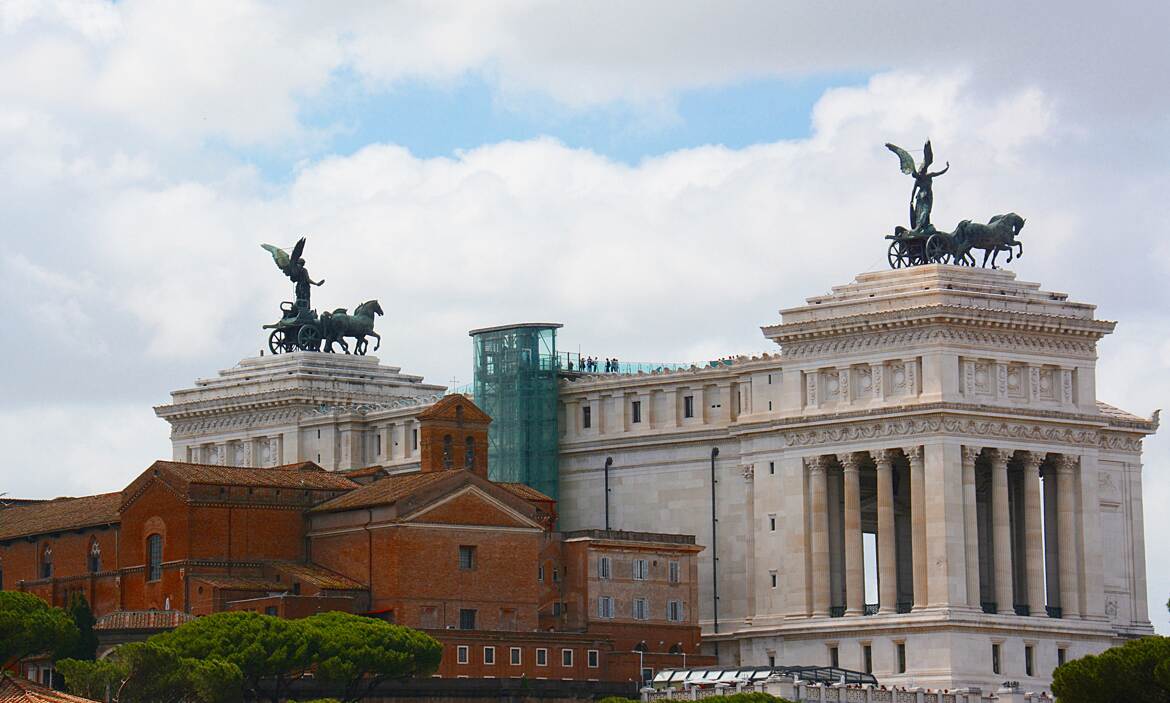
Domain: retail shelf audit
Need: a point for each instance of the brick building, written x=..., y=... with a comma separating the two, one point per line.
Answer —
x=474, y=562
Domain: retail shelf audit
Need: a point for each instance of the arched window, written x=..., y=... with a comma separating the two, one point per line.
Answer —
x=154, y=557
x=47, y=562
x=95, y=556
x=448, y=460
x=641, y=647
x=469, y=453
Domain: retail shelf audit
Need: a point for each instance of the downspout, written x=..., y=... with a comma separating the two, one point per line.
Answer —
x=714, y=550
x=608, y=463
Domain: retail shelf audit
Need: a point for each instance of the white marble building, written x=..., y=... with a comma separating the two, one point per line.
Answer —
x=946, y=415
x=949, y=411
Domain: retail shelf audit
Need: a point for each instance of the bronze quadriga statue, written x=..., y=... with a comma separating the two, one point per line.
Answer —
x=299, y=327
x=922, y=243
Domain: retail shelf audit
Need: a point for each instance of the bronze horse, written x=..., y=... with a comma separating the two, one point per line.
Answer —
x=338, y=324
x=999, y=234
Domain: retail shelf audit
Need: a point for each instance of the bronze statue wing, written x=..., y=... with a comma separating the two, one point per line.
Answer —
x=298, y=249
x=904, y=157
x=280, y=256
x=927, y=155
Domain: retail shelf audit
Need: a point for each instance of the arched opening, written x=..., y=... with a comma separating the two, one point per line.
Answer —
x=676, y=648
x=95, y=556
x=469, y=453
x=47, y=562
x=448, y=460
x=641, y=647
x=154, y=547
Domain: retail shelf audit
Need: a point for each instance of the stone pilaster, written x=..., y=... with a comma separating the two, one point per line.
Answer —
x=887, y=565
x=854, y=548
x=1001, y=531
x=918, y=520
x=1066, y=511
x=796, y=484
x=1033, y=534
x=971, y=525
x=819, y=516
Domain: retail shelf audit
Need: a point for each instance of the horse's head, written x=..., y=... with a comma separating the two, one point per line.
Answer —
x=1014, y=221
x=370, y=306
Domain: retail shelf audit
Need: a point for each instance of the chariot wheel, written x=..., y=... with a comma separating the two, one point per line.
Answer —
x=936, y=250
x=897, y=255
x=309, y=338
x=278, y=342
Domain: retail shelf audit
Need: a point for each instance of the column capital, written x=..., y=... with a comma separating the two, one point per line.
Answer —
x=1067, y=463
x=1033, y=460
x=882, y=457
x=914, y=453
x=850, y=461
x=970, y=454
x=816, y=464
x=999, y=457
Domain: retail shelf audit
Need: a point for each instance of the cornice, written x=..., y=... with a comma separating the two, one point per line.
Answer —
x=934, y=333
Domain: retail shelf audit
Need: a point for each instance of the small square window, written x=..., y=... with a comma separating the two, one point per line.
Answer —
x=636, y=411
x=542, y=657
x=688, y=406
x=901, y=654
x=769, y=406
x=466, y=558
x=586, y=417
x=489, y=656
x=603, y=567
x=467, y=619
x=674, y=572
x=593, y=658
x=774, y=578
x=772, y=661
x=515, y=656
x=641, y=568
x=462, y=654
x=566, y=657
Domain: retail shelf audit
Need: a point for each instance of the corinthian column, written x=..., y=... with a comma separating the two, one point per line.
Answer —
x=918, y=522
x=971, y=526
x=1001, y=531
x=1066, y=505
x=887, y=565
x=1033, y=535
x=854, y=550
x=818, y=480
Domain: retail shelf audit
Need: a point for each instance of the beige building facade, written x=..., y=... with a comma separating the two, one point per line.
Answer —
x=947, y=416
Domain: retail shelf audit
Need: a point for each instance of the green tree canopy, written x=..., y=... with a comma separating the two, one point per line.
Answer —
x=86, y=644
x=146, y=672
x=29, y=626
x=356, y=653
x=1136, y=672
x=264, y=648
x=92, y=679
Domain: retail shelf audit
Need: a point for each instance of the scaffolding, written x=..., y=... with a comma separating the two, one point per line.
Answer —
x=515, y=381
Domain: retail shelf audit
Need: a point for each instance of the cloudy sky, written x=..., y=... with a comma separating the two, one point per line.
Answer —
x=661, y=177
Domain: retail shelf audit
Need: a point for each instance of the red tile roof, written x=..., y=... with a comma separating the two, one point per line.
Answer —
x=525, y=491
x=142, y=620
x=239, y=583
x=316, y=575
x=389, y=490
x=303, y=475
x=20, y=690
x=60, y=514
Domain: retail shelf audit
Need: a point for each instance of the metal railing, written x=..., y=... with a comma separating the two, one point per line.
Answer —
x=1023, y=609
x=989, y=607
x=836, y=611
x=1054, y=611
x=871, y=608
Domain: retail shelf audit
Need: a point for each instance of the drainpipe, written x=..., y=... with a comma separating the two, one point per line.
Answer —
x=608, y=463
x=714, y=549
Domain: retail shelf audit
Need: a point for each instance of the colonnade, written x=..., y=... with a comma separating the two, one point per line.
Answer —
x=1018, y=529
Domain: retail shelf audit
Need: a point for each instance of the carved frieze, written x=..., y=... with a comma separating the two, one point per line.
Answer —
x=965, y=427
x=894, y=340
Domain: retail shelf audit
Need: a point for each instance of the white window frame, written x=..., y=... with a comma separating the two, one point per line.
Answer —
x=515, y=656
x=675, y=572
x=674, y=611
x=541, y=656
x=604, y=568
x=605, y=607
x=641, y=609
x=593, y=658
x=462, y=654
x=540, y=573
x=489, y=652
x=640, y=569
x=564, y=651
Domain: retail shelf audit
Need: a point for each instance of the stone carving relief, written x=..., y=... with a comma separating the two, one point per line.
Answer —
x=749, y=471
x=810, y=380
x=917, y=426
x=864, y=382
x=1015, y=382
x=1111, y=608
x=894, y=340
x=843, y=385
x=1001, y=380
x=832, y=386
x=898, y=377
x=982, y=376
